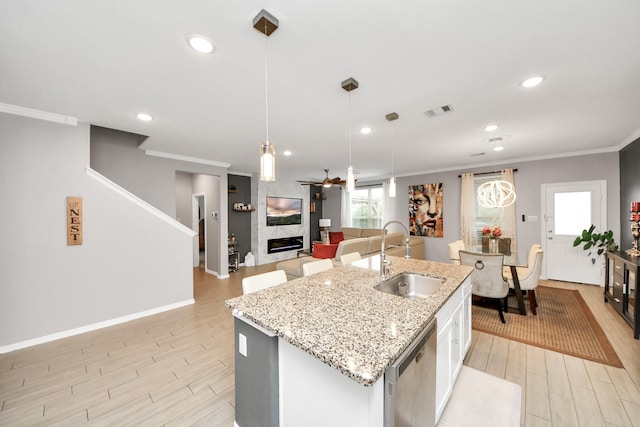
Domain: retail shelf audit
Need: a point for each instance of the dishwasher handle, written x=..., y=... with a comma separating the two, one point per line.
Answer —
x=416, y=352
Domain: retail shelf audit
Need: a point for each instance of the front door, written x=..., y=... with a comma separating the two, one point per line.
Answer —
x=568, y=209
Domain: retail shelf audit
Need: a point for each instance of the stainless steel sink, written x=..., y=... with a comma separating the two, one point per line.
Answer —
x=410, y=285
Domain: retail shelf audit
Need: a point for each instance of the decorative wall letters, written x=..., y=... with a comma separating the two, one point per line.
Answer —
x=74, y=221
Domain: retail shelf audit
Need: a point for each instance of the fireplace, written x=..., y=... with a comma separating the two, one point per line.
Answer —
x=284, y=244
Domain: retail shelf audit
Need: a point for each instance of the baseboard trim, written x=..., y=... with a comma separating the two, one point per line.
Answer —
x=215, y=273
x=93, y=327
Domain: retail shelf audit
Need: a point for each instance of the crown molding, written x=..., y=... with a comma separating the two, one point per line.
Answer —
x=38, y=114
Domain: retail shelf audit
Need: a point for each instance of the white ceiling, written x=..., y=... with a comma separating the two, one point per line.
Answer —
x=103, y=61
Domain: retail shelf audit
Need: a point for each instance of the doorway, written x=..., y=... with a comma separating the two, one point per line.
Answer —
x=199, y=226
x=569, y=208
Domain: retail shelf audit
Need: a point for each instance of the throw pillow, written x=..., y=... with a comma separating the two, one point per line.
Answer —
x=336, y=237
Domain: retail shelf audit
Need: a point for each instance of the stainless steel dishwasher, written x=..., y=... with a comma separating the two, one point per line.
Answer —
x=410, y=383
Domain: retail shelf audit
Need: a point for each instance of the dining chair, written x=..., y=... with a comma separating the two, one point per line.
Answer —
x=350, y=257
x=506, y=271
x=454, y=248
x=529, y=277
x=486, y=278
x=316, y=266
x=262, y=281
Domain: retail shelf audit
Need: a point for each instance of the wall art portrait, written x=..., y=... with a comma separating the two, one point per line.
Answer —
x=425, y=210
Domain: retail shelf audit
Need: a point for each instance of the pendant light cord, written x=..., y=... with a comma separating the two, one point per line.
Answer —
x=266, y=83
x=393, y=141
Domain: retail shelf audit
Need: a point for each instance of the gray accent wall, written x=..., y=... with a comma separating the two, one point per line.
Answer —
x=629, y=189
x=240, y=222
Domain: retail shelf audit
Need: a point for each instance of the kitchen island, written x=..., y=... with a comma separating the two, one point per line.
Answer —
x=333, y=336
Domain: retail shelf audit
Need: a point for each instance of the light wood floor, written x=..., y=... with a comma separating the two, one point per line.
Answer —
x=176, y=368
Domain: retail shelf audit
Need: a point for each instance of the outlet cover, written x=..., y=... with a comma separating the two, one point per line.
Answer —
x=242, y=345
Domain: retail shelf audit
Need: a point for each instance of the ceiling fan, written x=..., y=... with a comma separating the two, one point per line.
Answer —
x=326, y=182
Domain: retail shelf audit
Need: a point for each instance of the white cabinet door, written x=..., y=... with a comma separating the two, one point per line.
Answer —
x=454, y=338
x=457, y=341
x=466, y=321
x=444, y=383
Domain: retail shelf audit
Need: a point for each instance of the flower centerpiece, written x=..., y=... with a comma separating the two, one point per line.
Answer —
x=492, y=231
x=490, y=236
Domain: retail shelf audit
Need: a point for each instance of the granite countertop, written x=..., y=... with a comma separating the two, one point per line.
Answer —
x=338, y=317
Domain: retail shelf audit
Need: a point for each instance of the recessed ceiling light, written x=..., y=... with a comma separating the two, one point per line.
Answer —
x=532, y=82
x=144, y=117
x=286, y=153
x=200, y=43
x=365, y=130
x=498, y=148
x=491, y=128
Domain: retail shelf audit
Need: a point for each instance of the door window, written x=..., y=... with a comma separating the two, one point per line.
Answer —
x=572, y=212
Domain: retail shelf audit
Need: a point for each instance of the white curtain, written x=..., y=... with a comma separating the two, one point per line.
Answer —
x=345, y=209
x=468, y=211
x=508, y=214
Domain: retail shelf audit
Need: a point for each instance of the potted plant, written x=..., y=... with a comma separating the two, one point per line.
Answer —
x=591, y=239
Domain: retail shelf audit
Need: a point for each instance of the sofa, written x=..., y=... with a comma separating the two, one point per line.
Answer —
x=366, y=241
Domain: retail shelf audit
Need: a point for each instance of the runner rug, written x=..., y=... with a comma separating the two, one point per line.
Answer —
x=564, y=324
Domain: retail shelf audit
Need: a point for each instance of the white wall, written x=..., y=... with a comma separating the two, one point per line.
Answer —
x=132, y=261
x=529, y=179
x=116, y=155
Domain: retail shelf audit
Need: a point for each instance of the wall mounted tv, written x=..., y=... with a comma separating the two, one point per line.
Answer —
x=284, y=211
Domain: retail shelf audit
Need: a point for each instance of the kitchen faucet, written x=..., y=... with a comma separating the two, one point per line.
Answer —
x=384, y=270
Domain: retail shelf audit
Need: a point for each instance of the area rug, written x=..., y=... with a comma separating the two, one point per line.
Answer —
x=564, y=324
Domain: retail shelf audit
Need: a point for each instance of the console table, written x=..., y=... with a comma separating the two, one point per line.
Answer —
x=621, y=286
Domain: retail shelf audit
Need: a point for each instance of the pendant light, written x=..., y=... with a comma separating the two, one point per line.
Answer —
x=496, y=193
x=392, y=181
x=266, y=24
x=349, y=85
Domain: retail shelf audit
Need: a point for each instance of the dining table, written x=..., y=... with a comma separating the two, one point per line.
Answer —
x=513, y=261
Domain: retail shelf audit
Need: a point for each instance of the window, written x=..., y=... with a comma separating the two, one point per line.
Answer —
x=484, y=216
x=367, y=207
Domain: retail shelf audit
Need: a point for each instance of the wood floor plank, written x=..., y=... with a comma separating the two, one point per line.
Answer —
x=517, y=361
x=626, y=388
x=153, y=365
x=587, y=407
x=633, y=412
x=538, y=396
x=558, y=379
x=533, y=421
x=612, y=409
x=497, y=361
x=563, y=412
x=521, y=381
x=481, y=350
x=596, y=371
x=577, y=372
x=536, y=360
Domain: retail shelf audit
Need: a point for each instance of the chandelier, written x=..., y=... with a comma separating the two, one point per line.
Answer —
x=496, y=194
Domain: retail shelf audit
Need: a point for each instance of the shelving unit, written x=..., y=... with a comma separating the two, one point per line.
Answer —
x=233, y=257
x=621, y=287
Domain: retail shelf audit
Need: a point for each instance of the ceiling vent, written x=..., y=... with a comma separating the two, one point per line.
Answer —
x=439, y=111
x=477, y=154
